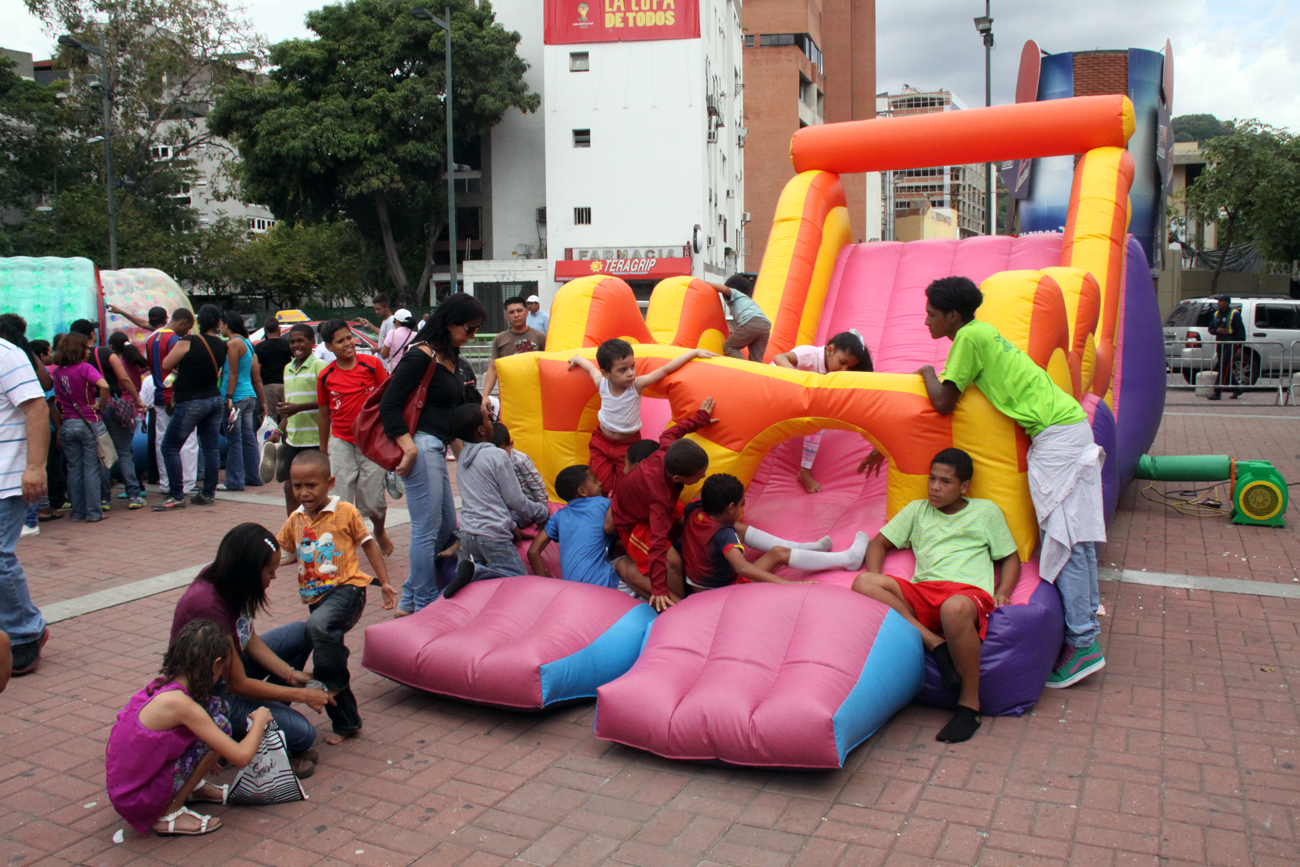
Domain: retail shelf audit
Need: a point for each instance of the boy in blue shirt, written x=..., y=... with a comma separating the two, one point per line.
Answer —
x=579, y=529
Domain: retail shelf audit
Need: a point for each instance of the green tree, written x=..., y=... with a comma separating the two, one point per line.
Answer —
x=1199, y=127
x=351, y=124
x=167, y=61
x=290, y=264
x=1240, y=186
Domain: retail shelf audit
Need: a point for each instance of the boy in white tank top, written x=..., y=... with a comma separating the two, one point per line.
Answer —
x=620, y=404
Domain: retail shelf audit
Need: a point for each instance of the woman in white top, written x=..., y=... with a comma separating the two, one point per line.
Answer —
x=396, y=341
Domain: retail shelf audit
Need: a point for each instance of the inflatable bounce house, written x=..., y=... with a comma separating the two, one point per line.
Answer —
x=52, y=293
x=797, y=675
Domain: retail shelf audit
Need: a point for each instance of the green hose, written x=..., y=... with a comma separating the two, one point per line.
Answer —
x=1185, y=468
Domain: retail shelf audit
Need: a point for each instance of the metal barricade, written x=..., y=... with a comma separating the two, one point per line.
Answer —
x=1254, y=365
x=1290, y=392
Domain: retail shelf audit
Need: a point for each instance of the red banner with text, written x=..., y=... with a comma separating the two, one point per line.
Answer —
x=576, y=21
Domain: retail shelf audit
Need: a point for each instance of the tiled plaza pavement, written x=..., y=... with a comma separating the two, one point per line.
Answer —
x=1183, y=751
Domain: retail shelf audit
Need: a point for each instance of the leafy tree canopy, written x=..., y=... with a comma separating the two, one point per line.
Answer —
x=351, y=124
x=1199, y=127
x=1251, y=188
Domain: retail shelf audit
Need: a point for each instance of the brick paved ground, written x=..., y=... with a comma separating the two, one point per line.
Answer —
x=1184, y=751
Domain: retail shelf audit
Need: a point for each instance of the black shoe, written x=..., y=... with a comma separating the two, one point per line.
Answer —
x=27, y=656
x=1215, y=397
x=200, y=500
x=464, y=575
x=169, y=504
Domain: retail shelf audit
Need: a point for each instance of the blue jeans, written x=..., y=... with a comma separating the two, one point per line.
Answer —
x=80, y=443
x=1080, y=595
x=19, y=618
x=121, y=437
x=203, y=414
x=433, y=520
x=290, y=644
x=493, y=558
x=241, y=448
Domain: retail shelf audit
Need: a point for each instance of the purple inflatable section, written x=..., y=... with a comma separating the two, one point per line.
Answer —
x=1103, y=434
x=1019, y=651
x=1141, y=399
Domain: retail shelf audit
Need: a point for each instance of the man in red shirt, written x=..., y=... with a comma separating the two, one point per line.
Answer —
x=644, y=506
x=341, y=390
x=156, y=347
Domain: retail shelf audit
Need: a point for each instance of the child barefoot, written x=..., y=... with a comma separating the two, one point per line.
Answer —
x=171, y=734
x=620, y=404
x=845, y=351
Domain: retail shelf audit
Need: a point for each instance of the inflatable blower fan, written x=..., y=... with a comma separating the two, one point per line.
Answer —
x=1259, y=493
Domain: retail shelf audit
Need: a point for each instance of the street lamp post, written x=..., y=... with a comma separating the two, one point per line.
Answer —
x=423, y=14
x=984, y=25
x=107, y=91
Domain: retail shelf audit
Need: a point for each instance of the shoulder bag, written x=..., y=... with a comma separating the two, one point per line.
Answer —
x=368, y=429
x=269, y=777
x=121, y=407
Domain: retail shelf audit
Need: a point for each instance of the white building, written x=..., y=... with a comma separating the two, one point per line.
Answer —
x=633, y=164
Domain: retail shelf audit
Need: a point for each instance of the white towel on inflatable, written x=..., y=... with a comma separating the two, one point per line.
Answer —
x=1065, y=482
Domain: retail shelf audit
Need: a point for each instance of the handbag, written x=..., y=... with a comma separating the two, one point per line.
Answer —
x=122, y=410
x=269, y=777
x=368, y=429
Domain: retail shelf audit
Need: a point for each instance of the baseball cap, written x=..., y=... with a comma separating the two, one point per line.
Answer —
x=533, y=299
x=403, y=316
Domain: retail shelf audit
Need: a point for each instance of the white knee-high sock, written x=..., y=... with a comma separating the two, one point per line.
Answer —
x=756, y=538
x=814, y=561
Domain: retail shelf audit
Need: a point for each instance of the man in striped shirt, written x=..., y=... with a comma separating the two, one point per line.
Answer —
x=24, y=440
x=299, y=419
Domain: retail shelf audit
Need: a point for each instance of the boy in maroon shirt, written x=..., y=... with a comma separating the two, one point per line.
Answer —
x=341, y=390
x=647, y=497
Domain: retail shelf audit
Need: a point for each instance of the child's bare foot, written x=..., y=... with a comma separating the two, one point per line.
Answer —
x=400, y=613
x=334, y=738
x=451, y=550
x=385, y=543
x=809, y=483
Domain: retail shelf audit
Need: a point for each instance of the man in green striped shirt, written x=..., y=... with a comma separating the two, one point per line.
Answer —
x=299, y=430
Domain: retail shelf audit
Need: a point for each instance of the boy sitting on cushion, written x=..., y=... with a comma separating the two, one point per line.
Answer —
x=957, y=540
x=711, y=551
x=579, y=530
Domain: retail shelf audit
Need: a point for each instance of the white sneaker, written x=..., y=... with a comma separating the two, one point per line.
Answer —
x=31, y=531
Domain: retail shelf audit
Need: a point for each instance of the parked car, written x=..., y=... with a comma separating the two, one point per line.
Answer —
x=1272, y=324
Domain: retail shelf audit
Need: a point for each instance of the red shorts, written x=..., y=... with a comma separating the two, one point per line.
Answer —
x=926, y=597
x=637, y=545
x=607, y=458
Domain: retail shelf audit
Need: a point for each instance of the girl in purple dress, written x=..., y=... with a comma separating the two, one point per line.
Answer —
x=171, y=734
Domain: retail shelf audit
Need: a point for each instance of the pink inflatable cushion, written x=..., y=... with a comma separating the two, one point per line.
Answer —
x=524, y=642
x=787, y=675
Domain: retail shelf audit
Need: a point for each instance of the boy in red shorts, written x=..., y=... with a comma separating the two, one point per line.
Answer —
x=957, y=541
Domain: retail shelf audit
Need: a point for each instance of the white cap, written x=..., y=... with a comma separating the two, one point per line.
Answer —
x=402, y=315
x=533, y=299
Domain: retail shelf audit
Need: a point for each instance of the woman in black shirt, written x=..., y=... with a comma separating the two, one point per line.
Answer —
x=197, y=361
x=424, y=449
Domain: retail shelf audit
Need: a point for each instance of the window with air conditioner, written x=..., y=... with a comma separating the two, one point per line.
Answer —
x=579, y=61
x=582, y=216
x=582, y=138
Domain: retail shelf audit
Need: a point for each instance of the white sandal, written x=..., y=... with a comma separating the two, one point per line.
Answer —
x=225, y=794
x=171, y=818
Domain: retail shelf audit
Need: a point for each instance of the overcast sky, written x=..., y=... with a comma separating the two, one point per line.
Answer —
x=1232, y=58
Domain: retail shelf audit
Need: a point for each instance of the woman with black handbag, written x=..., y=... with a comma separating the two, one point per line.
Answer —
x=197, y=362
x=430, y=359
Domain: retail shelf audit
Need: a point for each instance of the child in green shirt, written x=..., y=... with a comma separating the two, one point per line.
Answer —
x=957, y=541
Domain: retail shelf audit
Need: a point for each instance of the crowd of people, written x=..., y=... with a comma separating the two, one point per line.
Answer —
x=622, y=526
